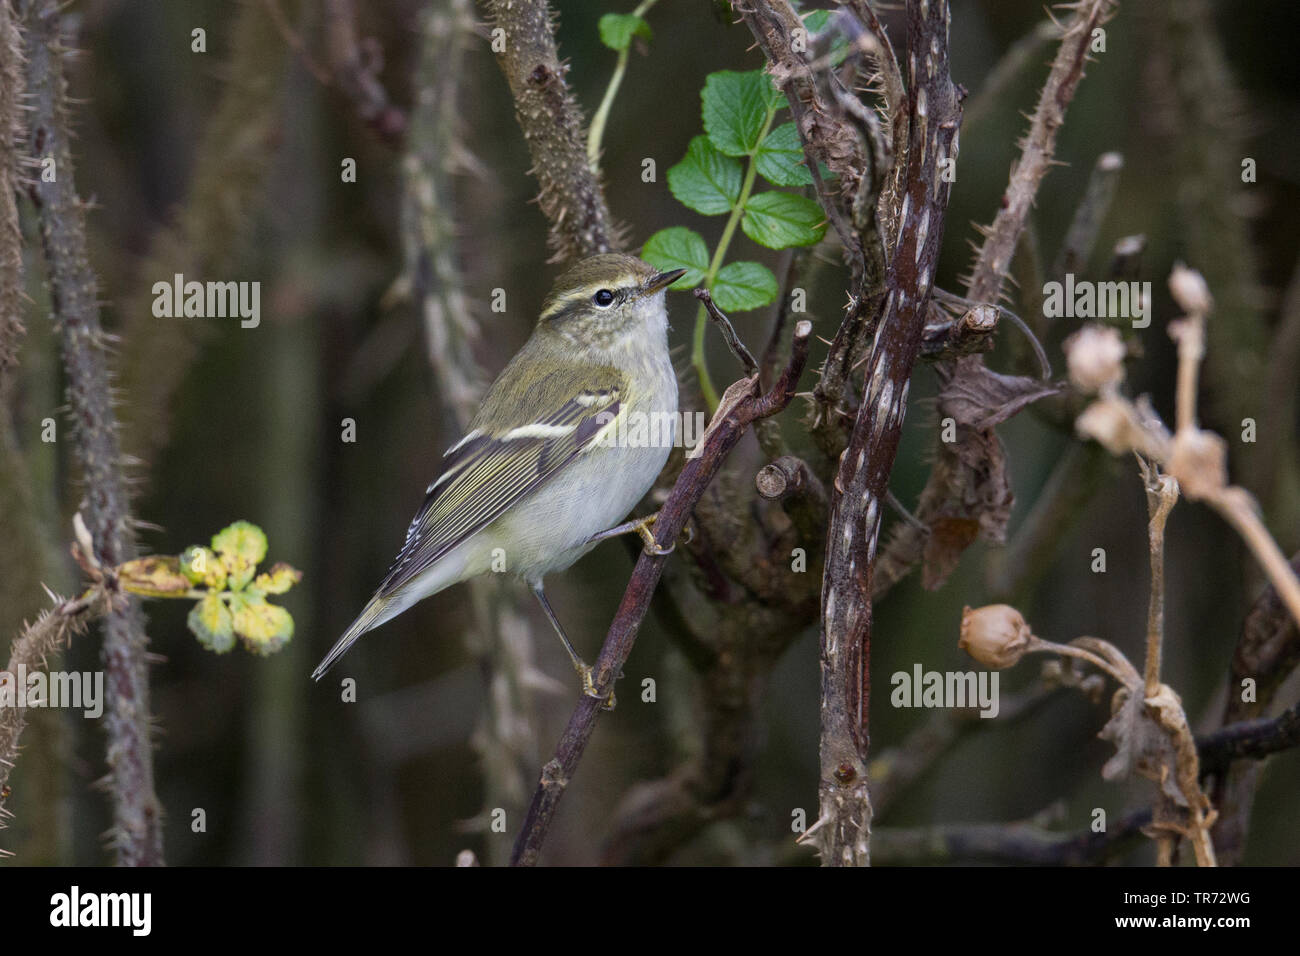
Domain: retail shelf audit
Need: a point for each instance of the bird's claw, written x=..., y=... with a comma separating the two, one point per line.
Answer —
x=651, y=545
x=607, y=701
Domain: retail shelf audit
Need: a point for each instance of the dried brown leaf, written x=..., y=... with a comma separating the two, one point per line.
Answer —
x=981, y=398
x=1142, y=744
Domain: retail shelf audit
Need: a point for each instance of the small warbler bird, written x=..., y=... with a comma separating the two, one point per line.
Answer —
x=537, y=479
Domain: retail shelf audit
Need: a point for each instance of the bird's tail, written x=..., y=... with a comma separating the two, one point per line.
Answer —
x=381, y=608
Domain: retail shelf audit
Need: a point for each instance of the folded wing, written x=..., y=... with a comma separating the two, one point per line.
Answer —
x=487, y=473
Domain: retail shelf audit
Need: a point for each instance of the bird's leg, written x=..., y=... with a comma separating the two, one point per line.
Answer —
x=579, y=665
x=642, y=527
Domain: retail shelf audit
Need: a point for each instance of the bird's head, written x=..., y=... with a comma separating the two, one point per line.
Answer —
x=603, y=298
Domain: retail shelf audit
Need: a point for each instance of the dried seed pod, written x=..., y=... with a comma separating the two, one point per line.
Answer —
x=996, y=635
x=1109, y=422
x=1189, y=290
x=1095, y=355
x=1199, y=460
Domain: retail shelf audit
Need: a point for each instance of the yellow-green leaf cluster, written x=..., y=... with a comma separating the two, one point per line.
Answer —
x=231, y=594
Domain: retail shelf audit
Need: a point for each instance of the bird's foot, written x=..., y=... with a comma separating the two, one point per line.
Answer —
x=608, y=701
x=642, y=528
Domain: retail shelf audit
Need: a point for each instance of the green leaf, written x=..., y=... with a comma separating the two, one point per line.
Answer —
x=201, y=566
x=278, y=579
x=744, y=285
x=212, y=624
x=678, y=248
x=735, y=107
x=242, y=539
x=815, y=22
x=264, y=628
x=705, y=180
x=780, y=158
x=779, y=220
x=241, y=546
x=617, y=30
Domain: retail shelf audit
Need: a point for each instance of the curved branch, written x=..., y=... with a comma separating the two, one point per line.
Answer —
x=741, y=406
x=1022, y=843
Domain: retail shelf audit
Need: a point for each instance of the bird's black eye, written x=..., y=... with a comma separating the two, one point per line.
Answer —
x=604, y=298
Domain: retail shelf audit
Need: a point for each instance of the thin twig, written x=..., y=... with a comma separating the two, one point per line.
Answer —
x=741, y=406
x=44, y=637
x=1197, y=458
x=1126, y=257
x=1026, y=844
x=1075, y=478
x=799, y=273
x=1279, y=408
x=1044, y=366
x=357, y=72
x=1037, y=152
x=826, y=133
x=1249, y=740
x=1268, y=649
x=996, y=88
x=1162, y=493
x=891, y=78
x=728, y=331
x=946, y=337
x=293, y=40
x=1088, y=215
x=596, y=135
x=893, y=771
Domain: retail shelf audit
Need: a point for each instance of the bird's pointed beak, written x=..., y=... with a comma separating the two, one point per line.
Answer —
x=663, y=280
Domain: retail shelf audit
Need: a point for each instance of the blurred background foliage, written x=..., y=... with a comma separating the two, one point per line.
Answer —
x=226, y=165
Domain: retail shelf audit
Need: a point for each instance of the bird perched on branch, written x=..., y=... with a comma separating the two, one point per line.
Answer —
x=538, y=481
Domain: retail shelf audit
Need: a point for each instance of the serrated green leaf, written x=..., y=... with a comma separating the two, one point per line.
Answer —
x=678, y=248
x=780, y=220
x=780, y=158
x=735, y=107
x=212, y=623
x=705, y=180
x=263, y=628
x=617, y=30
x=815, y=22
x=744, y=285
x=280, y=578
